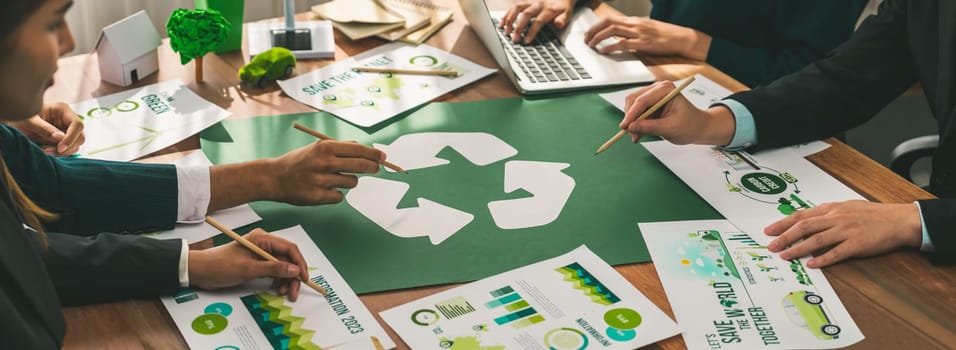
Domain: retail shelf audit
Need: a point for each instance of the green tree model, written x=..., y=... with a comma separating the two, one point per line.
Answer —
x=194, y=33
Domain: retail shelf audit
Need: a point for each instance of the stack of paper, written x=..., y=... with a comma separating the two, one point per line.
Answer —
x=438, y=17
x=388, y=19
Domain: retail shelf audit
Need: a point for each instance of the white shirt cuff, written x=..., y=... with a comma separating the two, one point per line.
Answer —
x=927, y=244
x=194, y=193
x=745, y=132
x=184, y=265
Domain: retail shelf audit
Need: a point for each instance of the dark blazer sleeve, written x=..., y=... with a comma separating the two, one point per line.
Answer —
x=109, y=267
x=758, y=41
x=803, y=32
x=939, y=216
x=843, y=90
x=93, y=196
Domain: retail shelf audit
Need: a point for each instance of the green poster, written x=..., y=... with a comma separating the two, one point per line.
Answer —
x=553, y=140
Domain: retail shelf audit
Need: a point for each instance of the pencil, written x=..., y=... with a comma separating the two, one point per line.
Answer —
x=444, y=73
x=747, y=160
x=322, y=136
x=646, y=113
x=264, y=254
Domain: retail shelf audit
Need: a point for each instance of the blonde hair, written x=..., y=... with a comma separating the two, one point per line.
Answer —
x=31, y=213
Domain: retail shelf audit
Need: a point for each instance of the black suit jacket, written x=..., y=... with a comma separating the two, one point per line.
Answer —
x=907, y=42
x=91, y=196
x=758, y=41
x=36, y=280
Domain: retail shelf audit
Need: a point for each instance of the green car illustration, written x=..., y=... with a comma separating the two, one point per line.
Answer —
x=806, y=309
x=273, y=64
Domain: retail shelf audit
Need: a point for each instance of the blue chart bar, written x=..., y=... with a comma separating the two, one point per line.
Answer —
x=503, y=300
x=515, y=316
x=502, y=291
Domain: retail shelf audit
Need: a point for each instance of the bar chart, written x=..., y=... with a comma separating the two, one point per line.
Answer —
x=454, y=307
x=520, y=314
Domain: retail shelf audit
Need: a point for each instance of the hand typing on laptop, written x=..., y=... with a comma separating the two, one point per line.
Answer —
x=632, y=33
x=519, y=17
x=548, y=58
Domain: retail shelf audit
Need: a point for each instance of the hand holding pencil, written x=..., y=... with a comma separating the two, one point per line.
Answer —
x=678, y=121
x=237, y=262
x=634, y=105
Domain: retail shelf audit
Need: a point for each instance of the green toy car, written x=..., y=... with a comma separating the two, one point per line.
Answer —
x=273, y=64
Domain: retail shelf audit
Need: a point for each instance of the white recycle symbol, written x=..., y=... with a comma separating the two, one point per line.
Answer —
x=378, y=198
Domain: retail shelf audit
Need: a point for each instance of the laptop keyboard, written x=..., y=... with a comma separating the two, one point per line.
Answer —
x=545, y=59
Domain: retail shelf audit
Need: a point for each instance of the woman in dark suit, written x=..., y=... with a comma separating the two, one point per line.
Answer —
x=41, y=271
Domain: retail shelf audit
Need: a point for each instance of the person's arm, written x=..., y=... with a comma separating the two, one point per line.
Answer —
x=109, y=267
x=92, y=196
x=308, y=175
x=802, y=32
x=841, y=91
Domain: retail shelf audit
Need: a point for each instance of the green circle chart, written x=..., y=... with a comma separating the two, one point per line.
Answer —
x=99, y=112
x=763, y=183
x=425, y=317
x=423, y=60
x=210, y=324
x=565, y=339
x=622, y=318
x=127, y=106
x=219, y=308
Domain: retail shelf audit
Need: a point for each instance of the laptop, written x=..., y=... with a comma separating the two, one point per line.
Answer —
x=555, y=61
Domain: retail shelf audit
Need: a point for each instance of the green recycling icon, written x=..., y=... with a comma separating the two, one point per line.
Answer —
x=378, y=199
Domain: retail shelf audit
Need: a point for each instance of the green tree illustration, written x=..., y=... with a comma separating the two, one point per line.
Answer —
x=194, y=33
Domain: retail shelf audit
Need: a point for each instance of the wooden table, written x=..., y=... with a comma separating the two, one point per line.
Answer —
x=899, y=300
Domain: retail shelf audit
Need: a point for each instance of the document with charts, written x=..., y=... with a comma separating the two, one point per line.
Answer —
x=729, y=292
x=751, y=190
x=253, y=316
x=131, y=124
x=366, y=99
x=573, y=301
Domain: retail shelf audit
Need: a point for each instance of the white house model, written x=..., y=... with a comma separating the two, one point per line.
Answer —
x=127, y=50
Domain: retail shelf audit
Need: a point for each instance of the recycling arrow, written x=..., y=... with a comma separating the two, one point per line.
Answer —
x=378, y=200
x=551, y=189
x=418, y=151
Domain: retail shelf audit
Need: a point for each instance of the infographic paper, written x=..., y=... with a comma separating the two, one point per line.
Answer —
x=752, y=191
x=366, y=99
x=252, y=316
x=729, y=292
x=131, y=124
x=574, y=301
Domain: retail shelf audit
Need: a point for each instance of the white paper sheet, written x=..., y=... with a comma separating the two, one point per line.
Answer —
x=366, y=99
x=574, y=301
x=749, y=197
x=131, y=124
x=252, y=316
x=729, y=292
